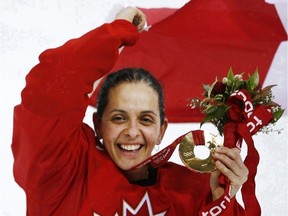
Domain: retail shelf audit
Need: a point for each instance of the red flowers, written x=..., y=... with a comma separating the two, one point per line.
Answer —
x=219, y=88
x=221, y=106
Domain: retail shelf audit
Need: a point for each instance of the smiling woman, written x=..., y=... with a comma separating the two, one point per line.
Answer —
x=129, y=117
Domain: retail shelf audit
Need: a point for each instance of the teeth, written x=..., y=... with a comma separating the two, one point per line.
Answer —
x=130, y=147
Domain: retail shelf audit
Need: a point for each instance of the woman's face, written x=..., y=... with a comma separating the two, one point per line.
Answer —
x=130, y=125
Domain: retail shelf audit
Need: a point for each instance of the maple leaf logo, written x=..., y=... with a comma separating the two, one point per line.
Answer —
x=145, y=200
x=127, y=208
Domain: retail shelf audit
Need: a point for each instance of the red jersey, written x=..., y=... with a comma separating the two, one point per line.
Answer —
x=57, y=162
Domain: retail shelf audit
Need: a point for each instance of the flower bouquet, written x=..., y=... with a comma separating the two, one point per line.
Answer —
x=234, y=100
x=240, y=108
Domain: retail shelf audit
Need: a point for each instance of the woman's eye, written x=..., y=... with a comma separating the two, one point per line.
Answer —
x=118, y=119
x=147, y=120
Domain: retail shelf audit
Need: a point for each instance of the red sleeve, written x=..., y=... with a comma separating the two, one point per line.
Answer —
x=48, y=139
x=66, y=74
x=224, y=206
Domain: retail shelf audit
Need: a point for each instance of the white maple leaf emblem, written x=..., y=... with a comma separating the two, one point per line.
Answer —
x=127, y=208
x=145, y=200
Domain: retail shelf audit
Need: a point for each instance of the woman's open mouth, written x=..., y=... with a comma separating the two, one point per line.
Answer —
x=129, y=148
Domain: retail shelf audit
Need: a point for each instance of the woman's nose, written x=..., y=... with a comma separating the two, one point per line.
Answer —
x=132, y=129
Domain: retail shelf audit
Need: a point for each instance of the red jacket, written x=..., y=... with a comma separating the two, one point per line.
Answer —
x=56, y=159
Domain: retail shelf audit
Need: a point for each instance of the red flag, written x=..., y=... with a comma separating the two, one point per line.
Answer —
x=201, y=41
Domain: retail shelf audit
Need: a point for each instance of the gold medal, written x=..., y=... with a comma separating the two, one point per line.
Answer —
x=196, y=149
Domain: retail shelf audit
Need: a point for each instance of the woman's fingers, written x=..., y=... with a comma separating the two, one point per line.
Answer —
x=230, y=164
x=133, y=15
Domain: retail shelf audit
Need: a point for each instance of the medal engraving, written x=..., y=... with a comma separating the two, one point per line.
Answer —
x=190, y=156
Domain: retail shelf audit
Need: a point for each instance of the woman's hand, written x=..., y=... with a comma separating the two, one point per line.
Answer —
x=230, y=164
x=133, y=15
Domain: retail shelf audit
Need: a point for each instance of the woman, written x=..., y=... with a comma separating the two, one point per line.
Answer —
x=65, y=170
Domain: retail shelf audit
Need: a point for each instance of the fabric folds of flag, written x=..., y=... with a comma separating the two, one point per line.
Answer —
x=200, y=41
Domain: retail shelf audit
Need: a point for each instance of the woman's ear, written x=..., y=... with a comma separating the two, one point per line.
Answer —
x=162, y=130
x=96, y=123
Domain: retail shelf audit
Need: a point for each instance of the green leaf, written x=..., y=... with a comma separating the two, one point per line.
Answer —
x=277, y=115
x=211, y=109
x=217, y=113
x=206, y=87
x=218, y=97
x=238, y=84
x=230, y=75
x=207, y=118
x=253, y=80
x=211, y=87
x=221, y=111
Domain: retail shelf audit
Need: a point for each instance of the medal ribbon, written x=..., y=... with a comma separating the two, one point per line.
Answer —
x=164, y=155
x=219, y=205
x=246, y=121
